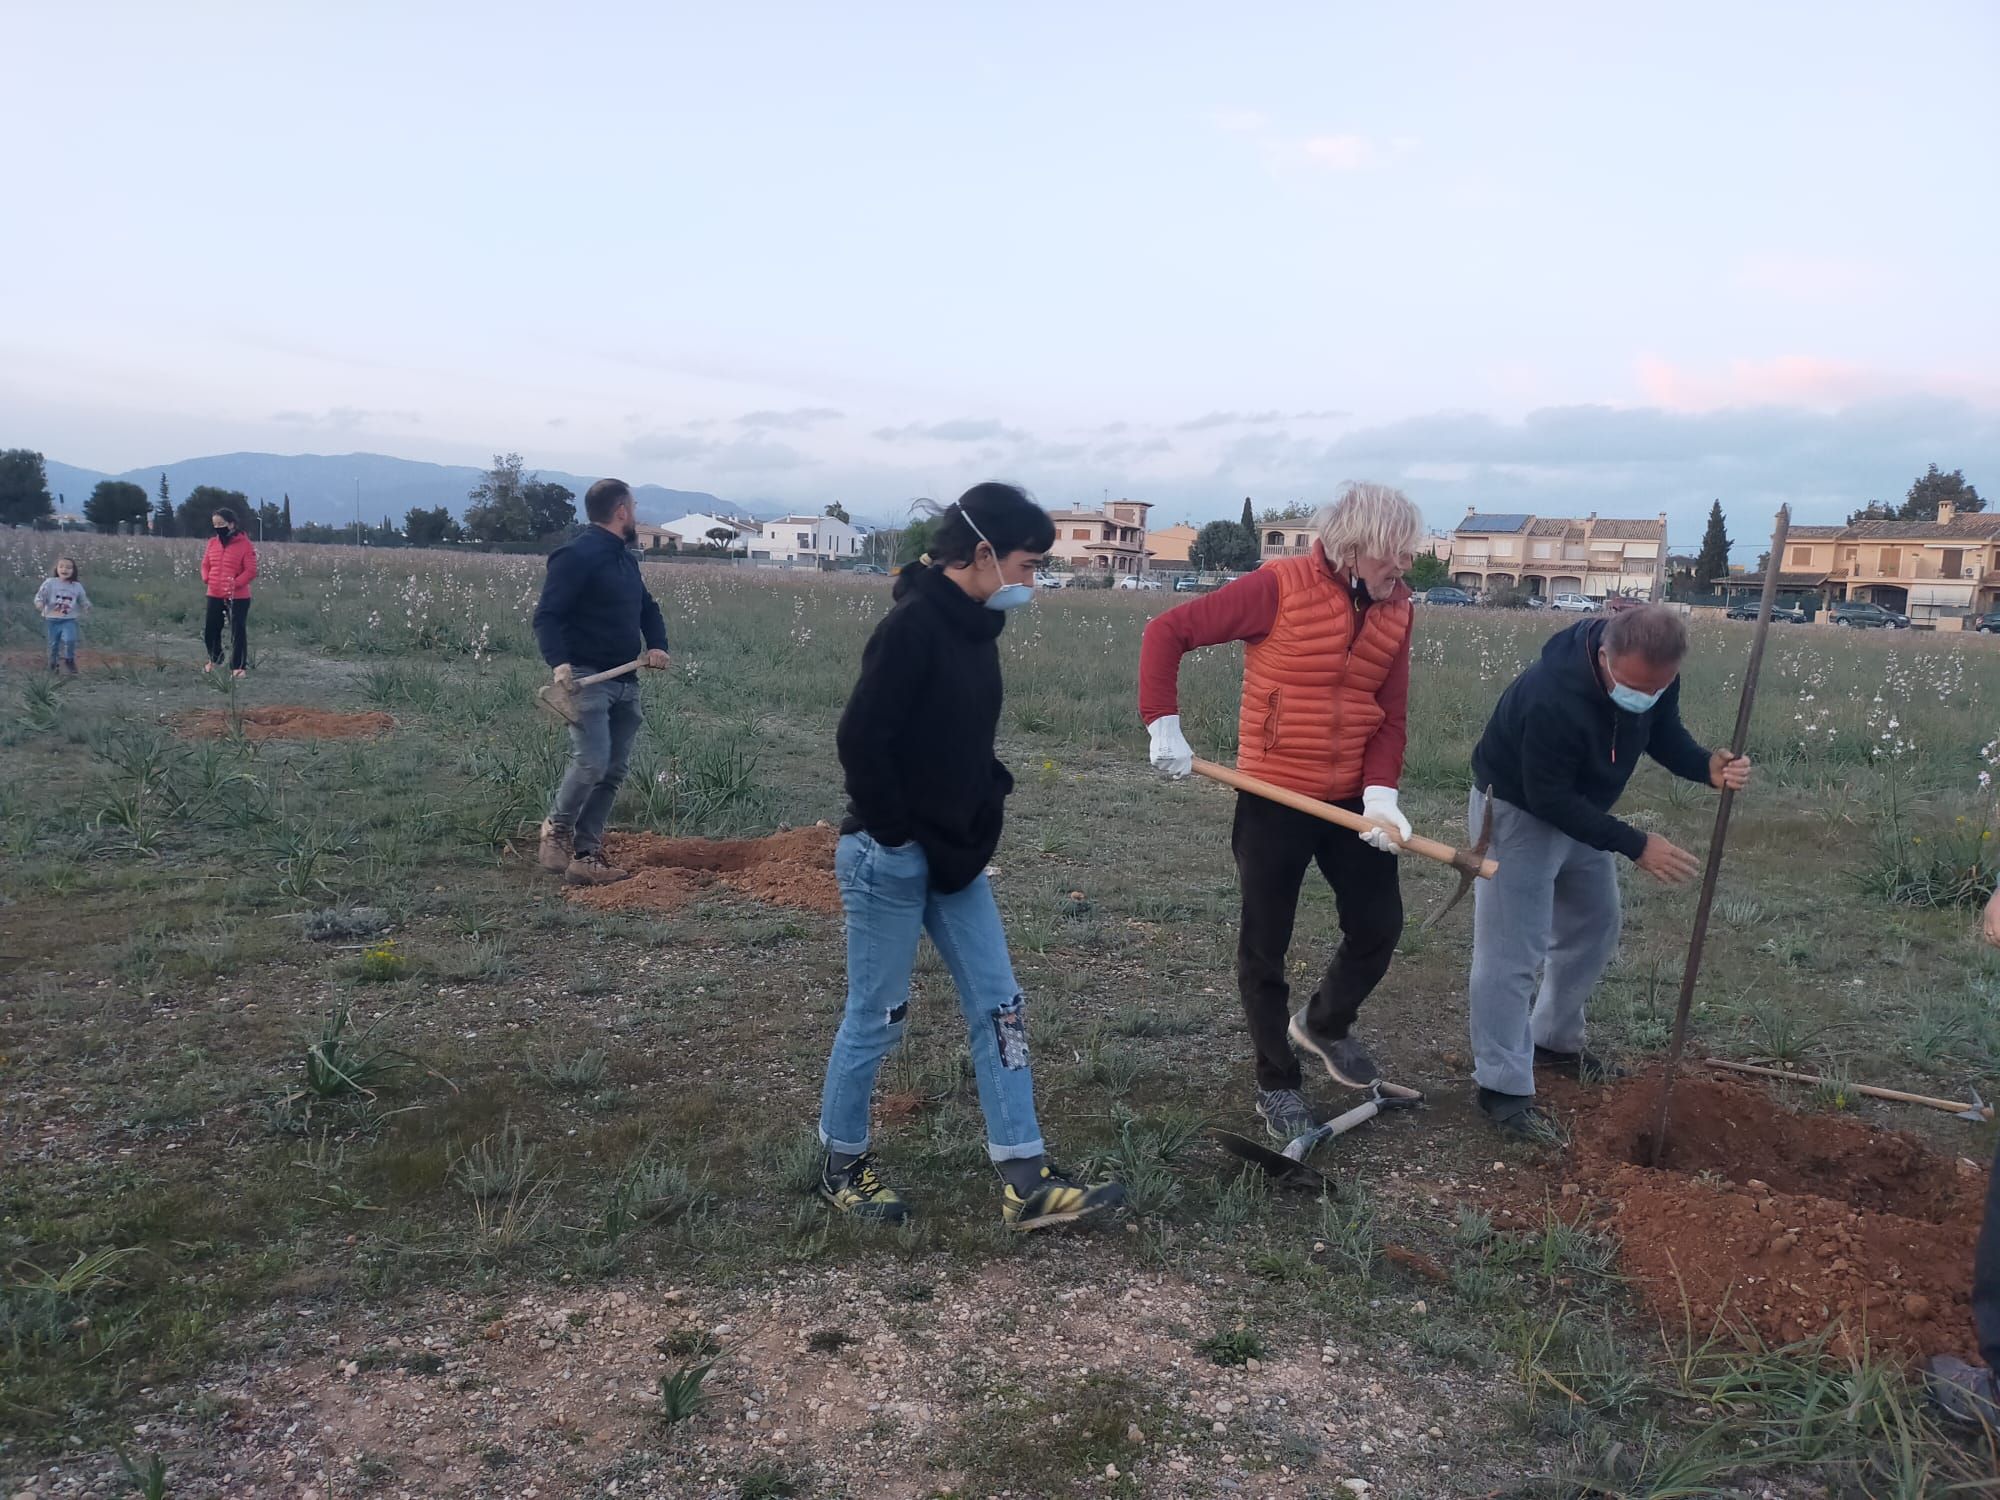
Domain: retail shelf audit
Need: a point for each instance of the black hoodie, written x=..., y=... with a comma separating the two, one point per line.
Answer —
x=916, y=740
x=1558, y=747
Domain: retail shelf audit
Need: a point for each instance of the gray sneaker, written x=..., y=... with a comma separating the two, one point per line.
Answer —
x=1285, y=1114
x=1965, y=1393
x=1345, y=1058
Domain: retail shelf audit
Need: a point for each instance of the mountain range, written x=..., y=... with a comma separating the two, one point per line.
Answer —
x=323, y=487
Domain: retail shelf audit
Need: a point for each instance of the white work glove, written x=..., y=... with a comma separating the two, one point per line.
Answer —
x=1379, y=804
x=1171, y=751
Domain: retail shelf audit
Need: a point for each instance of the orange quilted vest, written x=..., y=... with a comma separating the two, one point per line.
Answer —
x=1309, y=686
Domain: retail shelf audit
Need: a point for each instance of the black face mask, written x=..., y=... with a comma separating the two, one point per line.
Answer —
x=222, y=531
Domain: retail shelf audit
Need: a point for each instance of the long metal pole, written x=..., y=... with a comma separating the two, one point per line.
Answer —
x=1737, y=741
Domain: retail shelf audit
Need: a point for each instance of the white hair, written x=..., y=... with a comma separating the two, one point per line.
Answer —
x=1369, y=520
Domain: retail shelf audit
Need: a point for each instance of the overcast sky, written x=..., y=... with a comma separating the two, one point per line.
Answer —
x=1563, y=257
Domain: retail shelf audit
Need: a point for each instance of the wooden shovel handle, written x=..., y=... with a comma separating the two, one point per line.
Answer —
x=1444, y=854
x=1955, y=1106
x=630, y=666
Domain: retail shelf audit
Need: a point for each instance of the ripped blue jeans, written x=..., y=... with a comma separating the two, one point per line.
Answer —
x=886, y=893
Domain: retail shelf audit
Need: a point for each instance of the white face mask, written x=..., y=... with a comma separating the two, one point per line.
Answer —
x=1008, y=595
x=1630, y=698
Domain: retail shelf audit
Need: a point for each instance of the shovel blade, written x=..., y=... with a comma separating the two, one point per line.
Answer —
x=1279, y=1167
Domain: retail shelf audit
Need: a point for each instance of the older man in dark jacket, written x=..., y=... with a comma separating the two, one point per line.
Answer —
x=1562, y=742
x=595, y=613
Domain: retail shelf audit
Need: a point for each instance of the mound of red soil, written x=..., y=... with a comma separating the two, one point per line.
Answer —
x=281, y=723
x=793, y=868
x=1787, y=1224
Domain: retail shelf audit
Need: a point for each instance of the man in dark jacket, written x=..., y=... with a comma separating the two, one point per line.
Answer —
x=595, y=614
x=1555, y=757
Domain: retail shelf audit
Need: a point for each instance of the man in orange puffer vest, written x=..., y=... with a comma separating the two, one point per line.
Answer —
x=1326, y=678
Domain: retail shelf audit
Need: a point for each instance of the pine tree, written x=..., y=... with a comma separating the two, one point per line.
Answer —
x=1713, y=560
x=1249, y=517
x=1931, y=487
x=288, y=517
x=163, y=515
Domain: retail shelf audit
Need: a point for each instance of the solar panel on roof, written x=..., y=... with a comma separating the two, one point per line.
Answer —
x=1493, y=523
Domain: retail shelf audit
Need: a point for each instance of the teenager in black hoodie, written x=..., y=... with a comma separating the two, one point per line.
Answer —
x=925, y=799
x=1563, y=741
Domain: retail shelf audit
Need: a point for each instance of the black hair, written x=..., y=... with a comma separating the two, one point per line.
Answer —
x=603, y=497
x=1004, y=515
x=227, y=515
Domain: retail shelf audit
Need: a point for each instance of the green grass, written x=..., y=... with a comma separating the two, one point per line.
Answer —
x=252, y=1117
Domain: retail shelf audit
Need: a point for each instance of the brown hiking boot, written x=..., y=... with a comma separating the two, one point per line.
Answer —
x=591, y=869
x=555, y=854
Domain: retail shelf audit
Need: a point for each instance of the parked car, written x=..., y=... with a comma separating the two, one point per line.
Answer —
x=1863, y=614
x=1445, y=595
x=1986, y=624
x=1613, y=603
x=1136, y=581
x=1047, y=580
x=1188, y=583
x=1573, y=604
x=869, y=568
x=1746, y=609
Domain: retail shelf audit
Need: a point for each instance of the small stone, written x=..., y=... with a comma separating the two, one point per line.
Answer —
x=1133, y=1434
x=1420, y=1308
x=1435, y=1434
x=1111, y=1471
x=1356, y=1486
x=781, y=1437
x=1499, y=1166
x=1218, y=1429
x=1916, y=1307
x=1570, y=1190
x=1252, y=1366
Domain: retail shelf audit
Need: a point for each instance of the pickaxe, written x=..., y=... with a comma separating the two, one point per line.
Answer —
x=1289, y=1165
x=1471, y=864
x=560, y=699
x=1976, y=1110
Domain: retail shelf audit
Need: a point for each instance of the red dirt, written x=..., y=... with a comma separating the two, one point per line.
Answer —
x=1789, y=1224
x=281, y=723
x=792, y=868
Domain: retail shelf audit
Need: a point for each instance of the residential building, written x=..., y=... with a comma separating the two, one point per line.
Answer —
x=656, y=538
x=1550, y=555
x=1926, y=569
x=694, y=529
x=825, y=539
x=1108, y=540
x=1284, y=538
x=1169, y=546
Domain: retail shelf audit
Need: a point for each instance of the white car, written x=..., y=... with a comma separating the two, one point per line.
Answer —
x=1051, y=581
x=1575, y=604
x=1138, y=582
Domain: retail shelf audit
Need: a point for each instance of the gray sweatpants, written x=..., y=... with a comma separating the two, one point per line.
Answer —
x=1547, y=923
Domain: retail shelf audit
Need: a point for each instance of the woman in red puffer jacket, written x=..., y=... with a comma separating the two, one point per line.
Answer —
x=228, y=567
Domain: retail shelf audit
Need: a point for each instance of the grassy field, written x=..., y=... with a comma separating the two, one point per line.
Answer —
x=343, y=1156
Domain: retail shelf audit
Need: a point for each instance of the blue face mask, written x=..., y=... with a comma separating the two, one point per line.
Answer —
x=1630, y=698
x=1008, y=595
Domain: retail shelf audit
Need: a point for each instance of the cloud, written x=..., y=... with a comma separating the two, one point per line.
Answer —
x=798, y=418
x=1806, y=278
x=957, y=430
x=1230, y=419
x=1798, y=380
x=751, y=453
x=1240, y=121
x=557, y=422
x=347, y=418
x=1328, y=415
x=1339, y=153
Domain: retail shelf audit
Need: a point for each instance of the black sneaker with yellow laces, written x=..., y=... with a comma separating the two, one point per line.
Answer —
x=1056, y=1199
x=856, y=1189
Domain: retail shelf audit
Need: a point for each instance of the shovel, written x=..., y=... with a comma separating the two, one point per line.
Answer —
x=1288, y=1166
x=560, y=699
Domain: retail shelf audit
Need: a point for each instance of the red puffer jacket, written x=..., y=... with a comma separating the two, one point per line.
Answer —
x=228, y=570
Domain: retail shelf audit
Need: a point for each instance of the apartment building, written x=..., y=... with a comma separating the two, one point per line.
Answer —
x=1111, y=539
x=1596, y=555
x=1925, y=569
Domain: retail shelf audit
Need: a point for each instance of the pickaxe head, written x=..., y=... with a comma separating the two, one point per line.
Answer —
x=559, y=698
x=1977, y=1110
x=1468, y=863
